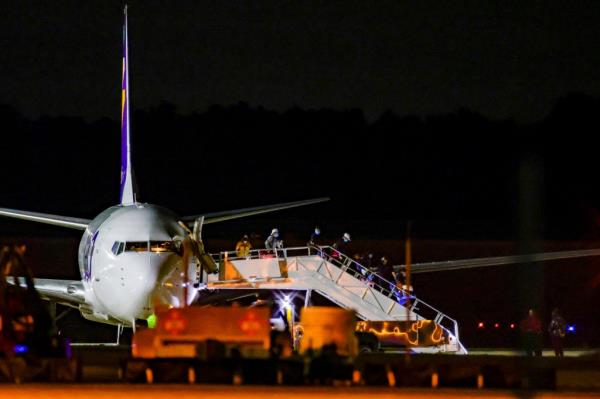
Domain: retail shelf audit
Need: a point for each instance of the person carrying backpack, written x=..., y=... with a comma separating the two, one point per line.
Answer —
x=557, y=329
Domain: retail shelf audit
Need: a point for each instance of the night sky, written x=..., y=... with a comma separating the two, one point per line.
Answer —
x=475, y=120
x=504, y=59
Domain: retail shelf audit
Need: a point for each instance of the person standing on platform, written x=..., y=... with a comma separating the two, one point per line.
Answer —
x=273, y=241
x=243, y=247
x=557, y=329
x=531, y=329
x=315, y=238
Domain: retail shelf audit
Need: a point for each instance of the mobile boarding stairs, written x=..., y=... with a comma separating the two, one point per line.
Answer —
x=338, y=278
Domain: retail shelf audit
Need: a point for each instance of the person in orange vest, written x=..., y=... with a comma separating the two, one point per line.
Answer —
x=243, y=247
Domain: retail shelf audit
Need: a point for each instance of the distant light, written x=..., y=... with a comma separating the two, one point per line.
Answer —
x=512, y=325
x=481, y=325
x=571, y=328
x=497, y=325
x=21, y=349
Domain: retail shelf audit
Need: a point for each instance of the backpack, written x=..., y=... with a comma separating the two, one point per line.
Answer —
x=557, y=327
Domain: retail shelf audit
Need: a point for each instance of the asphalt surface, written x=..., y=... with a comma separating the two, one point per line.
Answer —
x=120, y=391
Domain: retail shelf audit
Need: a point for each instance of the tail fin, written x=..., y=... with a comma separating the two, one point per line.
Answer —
x=128, y=186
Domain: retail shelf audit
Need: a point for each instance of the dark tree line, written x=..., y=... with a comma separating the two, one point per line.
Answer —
x=453, y=174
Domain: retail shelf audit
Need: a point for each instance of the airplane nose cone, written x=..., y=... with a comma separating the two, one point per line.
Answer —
x=130, y=284
x=138, y=283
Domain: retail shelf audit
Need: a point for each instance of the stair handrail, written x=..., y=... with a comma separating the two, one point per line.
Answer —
x=391, y=292
x=346, y=263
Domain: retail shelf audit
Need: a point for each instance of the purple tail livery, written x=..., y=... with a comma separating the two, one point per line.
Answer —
x=128, y=186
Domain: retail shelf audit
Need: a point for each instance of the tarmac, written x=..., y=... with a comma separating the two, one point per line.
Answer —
x=572, y=352
x=504, y=374
x=126, y=391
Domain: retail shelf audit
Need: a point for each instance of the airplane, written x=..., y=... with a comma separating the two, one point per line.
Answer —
x=131, y=255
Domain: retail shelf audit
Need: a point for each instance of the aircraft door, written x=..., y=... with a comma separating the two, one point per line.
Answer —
x=88, y=254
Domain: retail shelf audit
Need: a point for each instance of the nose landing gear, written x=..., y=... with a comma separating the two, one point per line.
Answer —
x=120, y=332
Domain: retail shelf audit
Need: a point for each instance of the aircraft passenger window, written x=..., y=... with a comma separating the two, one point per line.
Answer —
x=162, y=246
x=136, y=246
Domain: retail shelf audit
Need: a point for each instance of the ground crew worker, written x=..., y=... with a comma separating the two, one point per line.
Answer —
x=243, y=247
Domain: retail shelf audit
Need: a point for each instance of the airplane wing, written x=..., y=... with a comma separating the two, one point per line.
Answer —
x=63, y=221
x=428, y=267
x=216, y=217
x=66, y=292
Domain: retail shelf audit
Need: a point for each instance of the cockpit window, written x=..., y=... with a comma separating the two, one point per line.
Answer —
x=163, y=246
x=136, y=246
x=143, y=246
x=118, y=247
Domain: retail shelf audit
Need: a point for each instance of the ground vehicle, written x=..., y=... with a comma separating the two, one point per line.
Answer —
x=195, y=332
x=25, y=323
x=30, y=349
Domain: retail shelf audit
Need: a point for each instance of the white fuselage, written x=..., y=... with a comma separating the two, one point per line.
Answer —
x=129, y=262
